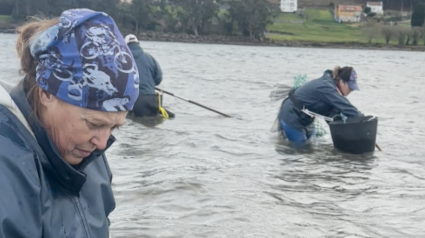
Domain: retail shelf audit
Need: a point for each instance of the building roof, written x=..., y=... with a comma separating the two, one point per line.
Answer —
x=374, y=3
x=349, y=8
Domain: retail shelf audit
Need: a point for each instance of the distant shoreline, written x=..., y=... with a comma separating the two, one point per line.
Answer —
x=246, y=41
x=239, y=40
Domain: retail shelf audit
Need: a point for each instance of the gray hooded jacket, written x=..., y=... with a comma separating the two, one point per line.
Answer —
x=320, y=96
x=41, y=194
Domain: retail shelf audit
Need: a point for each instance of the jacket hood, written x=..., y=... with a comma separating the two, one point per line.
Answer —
x=136, y=50
x=8, y=102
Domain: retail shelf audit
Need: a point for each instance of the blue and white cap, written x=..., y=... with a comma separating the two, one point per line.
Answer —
x=84, y=61
x=352, y=82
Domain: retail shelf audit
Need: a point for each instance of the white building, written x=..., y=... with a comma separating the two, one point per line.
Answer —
x=376, y=7
x=288, y=5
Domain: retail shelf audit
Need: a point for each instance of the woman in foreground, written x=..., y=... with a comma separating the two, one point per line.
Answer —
x=55, y=125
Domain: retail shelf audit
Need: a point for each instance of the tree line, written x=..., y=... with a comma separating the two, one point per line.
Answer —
x=197, y=17
x=404, y=36
x=204, y=17
x=400, y=34
x=404, y=5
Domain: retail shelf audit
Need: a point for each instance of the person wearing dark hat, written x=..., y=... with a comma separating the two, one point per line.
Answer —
x=325, y=96
x=149, y=103
x=79, y=83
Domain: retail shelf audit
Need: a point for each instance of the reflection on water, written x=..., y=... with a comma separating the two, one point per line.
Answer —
x=147, y=121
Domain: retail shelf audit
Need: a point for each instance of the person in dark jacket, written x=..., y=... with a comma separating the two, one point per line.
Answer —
x=56, y=124
x=149, y=103
x=325, y=96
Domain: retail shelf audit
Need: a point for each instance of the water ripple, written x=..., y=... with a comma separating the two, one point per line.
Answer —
x=203, y=175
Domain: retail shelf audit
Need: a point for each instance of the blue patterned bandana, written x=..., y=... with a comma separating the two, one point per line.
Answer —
x=84, y=61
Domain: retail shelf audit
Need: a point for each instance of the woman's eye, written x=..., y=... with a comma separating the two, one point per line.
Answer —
x=93, y=125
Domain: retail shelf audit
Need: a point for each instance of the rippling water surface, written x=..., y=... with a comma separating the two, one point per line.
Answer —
x=203, y=175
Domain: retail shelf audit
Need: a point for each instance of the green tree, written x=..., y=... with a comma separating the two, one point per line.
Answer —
x=402, y=35
x=168, y=17
x=25, y=8
x=409, y=36
x=196, y=14
x=388, y=32
x=367, y=10
x=416, y=35
x=418, y=15
x=371, y=30
x=423, y=34
x=138, y=12
x=6, y=7
x=108, y=6
x=252, y=16
x=53, y=8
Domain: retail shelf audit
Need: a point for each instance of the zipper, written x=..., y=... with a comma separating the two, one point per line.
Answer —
x=81, y=214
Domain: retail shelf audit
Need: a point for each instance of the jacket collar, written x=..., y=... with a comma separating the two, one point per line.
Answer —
x=71, y=178
x=328, y=73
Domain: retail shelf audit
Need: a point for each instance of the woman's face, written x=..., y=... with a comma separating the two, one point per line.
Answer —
x=77, y=131
x=344, y=88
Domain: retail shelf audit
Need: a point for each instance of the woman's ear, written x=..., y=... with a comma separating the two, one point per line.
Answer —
x=45, y=97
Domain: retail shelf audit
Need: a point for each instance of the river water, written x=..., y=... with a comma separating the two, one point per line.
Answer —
x=204, y=175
